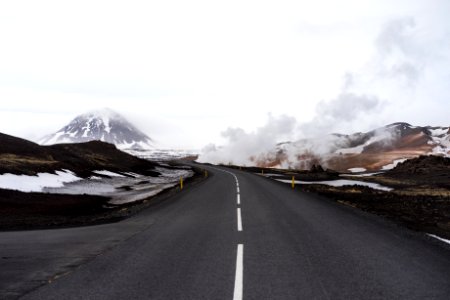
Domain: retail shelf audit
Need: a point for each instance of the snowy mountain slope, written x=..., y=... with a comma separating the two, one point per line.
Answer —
x=104, y=125
x=379, y=149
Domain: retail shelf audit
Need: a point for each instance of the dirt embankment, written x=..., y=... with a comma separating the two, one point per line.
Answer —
x=420, y=199
x=424, y=210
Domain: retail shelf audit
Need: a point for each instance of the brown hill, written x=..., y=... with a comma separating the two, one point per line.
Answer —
x=373, y=150
x=430, y=170
x=19, y=156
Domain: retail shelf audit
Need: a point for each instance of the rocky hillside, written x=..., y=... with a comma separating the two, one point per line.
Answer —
x=18, y=156
x=380, y=149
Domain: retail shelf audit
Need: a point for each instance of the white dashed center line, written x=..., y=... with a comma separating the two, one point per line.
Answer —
x=239, y=219
x=238, y=282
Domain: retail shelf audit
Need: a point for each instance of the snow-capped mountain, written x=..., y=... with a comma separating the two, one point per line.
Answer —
x=380, y=149
x=104, y=125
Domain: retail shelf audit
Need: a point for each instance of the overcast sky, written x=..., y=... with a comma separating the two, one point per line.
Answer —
x=185, y=71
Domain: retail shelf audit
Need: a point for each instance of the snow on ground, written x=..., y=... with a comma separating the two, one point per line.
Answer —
x=269, y=174
x=341, y=182
x=161, y=154
x=132, y=174
x=360, y=175
x=359, y=149
x=130, y=147
x=439, y=238
x=441, y=138
x=357, y=170
x=173, y=173
x=26, y=183
x=105, y=119
x=438, y=131
x=122, y=189
x=393, y=164
x=108, y=173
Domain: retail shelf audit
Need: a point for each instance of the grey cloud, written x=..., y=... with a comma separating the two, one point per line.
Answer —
x=347, y=106
x=396, y=36
x=344, y=109
x=399, y=55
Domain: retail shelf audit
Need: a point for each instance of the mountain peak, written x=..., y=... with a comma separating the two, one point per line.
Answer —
x=104, y=125
x=105, y=112
x=400, y=124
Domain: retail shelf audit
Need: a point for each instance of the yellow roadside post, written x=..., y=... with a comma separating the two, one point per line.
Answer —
x=293, y=182
x=262, y=171
x=206, y=173
x=181, y=183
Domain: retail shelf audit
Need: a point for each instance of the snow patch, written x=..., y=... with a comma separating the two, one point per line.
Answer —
x=161, y=154
x=122, y=189
x=132, y=174
x=361, y=175
x=105, y=120
x=108, y=173
x=26, y=183
x=357, y=170
x=341, y=182
x=73, y=133
x=438, y=132
x=384, y=136
x=441, y=139
x=439, y=238
x=269, y=174
x=393, y=164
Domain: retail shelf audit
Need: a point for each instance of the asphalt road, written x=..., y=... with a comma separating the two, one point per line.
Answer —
x=206, y=242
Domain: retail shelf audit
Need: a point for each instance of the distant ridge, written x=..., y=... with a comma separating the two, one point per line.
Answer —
x=379, y=149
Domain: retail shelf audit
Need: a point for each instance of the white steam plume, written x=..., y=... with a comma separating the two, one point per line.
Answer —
x=243, y=145
x=397, y=58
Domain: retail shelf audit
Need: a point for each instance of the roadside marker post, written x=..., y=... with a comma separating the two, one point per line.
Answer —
x=293, y=182
x=206, y=173
x=181, y=183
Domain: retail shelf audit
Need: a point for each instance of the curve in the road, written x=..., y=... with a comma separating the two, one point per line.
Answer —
x=297, y=246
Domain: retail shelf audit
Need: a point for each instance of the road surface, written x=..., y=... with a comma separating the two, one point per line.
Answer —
x=234, y=236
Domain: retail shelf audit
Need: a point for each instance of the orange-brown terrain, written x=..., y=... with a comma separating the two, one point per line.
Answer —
x=372, y=151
